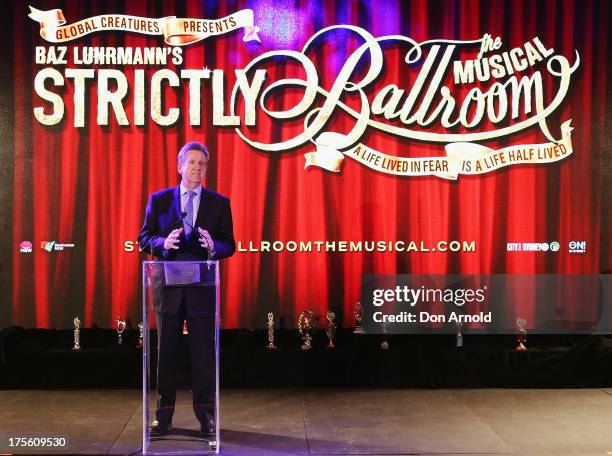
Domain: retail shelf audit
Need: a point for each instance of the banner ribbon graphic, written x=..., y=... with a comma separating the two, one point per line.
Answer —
x=461, y=157
x=176, y=31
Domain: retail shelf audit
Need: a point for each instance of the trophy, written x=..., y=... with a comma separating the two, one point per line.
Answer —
x=271, y=345
x=121, y=324
x=521, y=334
x=77, y=333
x=331, y=329
x=185, y=330
x=358, y=314
x=459, y=342
x=140, y=334
x=384, y=345
x=306, y=322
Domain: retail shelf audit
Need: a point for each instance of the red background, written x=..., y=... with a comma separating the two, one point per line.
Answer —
x=89, y=186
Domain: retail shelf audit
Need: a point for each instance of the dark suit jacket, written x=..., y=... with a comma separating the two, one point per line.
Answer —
x=163, y=215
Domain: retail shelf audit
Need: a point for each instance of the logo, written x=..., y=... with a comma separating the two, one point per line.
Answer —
x=47, y=245
x=51, y=246
x=532, y=246
x=25, y=247
x=393, y=110
x=457, y=84
x=577, y=246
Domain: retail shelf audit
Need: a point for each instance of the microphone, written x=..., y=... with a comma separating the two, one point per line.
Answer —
x=184, y=219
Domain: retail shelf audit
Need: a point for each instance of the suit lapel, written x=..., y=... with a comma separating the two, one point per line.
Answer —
x=203, y=209
x=176, y=204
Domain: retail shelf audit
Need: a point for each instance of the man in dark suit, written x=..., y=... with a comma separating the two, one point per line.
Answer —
x=187, y=223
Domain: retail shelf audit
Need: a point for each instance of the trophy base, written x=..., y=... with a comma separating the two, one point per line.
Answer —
x=306, y=347
x=330, y=346
x=384, y=345
x=76, y=348
x=271, y=347
x=521, y=347
x=358, y=330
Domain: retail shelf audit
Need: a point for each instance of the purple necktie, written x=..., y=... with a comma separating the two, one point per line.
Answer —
x=188, y=220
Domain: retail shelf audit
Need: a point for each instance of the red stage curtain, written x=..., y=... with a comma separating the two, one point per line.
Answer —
x=90, y=185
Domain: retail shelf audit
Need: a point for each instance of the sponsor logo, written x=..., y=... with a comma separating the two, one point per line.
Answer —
x=53, y=246
x=25, y=247
x=577, y=246
x=47, y=245
x=532, y=246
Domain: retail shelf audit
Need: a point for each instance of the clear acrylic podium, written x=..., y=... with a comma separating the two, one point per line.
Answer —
x=180, y=352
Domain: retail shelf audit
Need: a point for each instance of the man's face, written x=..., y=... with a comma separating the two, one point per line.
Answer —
x=193, y=169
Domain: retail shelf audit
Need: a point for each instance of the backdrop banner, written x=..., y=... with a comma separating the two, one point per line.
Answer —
x=353, y=138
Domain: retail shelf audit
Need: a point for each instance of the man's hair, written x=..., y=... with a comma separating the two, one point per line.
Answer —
x=191, y=145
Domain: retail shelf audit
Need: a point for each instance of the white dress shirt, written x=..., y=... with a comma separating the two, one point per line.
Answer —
x=195, y=201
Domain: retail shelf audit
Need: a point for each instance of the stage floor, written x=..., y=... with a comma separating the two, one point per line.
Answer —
x=574, y=422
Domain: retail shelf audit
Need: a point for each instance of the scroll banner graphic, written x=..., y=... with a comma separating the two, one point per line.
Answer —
x=176, y=31
x=461, y=157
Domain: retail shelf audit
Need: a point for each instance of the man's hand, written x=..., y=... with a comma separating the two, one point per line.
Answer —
x=205, y=240
x=173, y=239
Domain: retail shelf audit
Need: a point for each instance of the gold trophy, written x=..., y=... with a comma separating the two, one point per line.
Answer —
x=358, y=314
x=121, y=324
x=306, y=323
x=331, y=329
x=521, y=334
x=77, y=333
x=271, y=345
x=140, y=335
